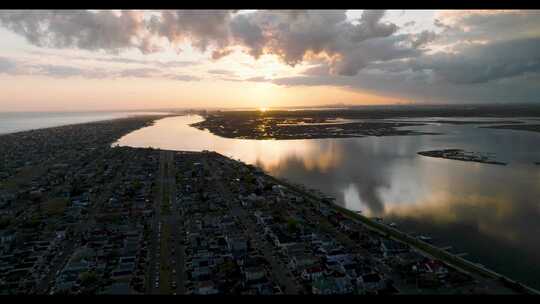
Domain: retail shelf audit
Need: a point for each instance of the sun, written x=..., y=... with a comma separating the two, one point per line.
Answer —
x=263, y=109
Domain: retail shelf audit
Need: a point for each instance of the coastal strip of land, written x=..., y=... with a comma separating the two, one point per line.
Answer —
x=427, y=248
x=103, y=219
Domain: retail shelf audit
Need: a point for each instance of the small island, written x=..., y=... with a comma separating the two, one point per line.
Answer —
x=528, y=127
x=459, y=154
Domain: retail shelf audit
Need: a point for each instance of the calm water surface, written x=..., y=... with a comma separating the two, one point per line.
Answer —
x=23, y=121
x=490, y=212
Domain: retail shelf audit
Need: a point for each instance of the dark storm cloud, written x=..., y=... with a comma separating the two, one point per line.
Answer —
x=483, y=63
x=493, y=26
x=506, y=71
x=485, y=51
x=202, y=27
x=424, y=86
x=296, y=36
x=249, y=33
x=423, y=38
x=291, y=35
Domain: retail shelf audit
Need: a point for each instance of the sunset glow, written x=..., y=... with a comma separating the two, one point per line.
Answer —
x=245, y=57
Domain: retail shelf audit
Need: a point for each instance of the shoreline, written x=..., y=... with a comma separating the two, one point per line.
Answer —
x=143, y=121
x=105, y=120
x=446, y=257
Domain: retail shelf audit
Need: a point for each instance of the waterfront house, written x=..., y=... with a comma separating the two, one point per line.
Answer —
x=391, y=247
x=206, y=288
x=312, y=273
x=254, y=273
x=371, y=282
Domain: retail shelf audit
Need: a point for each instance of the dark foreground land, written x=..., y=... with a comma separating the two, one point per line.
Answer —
x=78, y=216
x=353, y=122
x=458, y=154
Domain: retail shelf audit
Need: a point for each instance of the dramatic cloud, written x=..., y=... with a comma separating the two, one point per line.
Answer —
x=463, y=55
x=482, y=63
x=105, y=30
x=201, y=27
x=423, y=38
x=293, y=36
x=488, y=25
x=296, y=36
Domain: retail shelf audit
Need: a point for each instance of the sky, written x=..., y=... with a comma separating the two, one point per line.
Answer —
x=121, y=60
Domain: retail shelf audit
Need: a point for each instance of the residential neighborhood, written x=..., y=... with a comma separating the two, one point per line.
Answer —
x=80, y=216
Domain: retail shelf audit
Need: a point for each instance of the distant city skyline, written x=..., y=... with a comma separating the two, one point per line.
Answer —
x=136, y=60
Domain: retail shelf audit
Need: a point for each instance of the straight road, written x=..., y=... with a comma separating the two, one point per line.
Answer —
x=168, y=269
x=156, y=234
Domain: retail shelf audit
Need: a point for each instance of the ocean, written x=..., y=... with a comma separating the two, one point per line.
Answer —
x=11, y=122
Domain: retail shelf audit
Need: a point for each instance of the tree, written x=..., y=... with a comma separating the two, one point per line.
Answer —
x=292, y=225
x=5, y=221
x=88, y=278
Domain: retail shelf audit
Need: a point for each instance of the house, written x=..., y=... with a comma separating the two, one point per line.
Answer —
x=436, y=267
x=237, y=245
x=332, y=285
x=118, y=288
x=312, y=273
x=206, y=288
x=338, y=255
x=343, y=285
x=280, y=238
x=370, y=282
x=323, y=286
x=7, y=237
x=201, y=273
x=302, y=261
x=347, y=225
x=254, y=273
x=61, y=234
x=294, y=249
x=391, y=247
